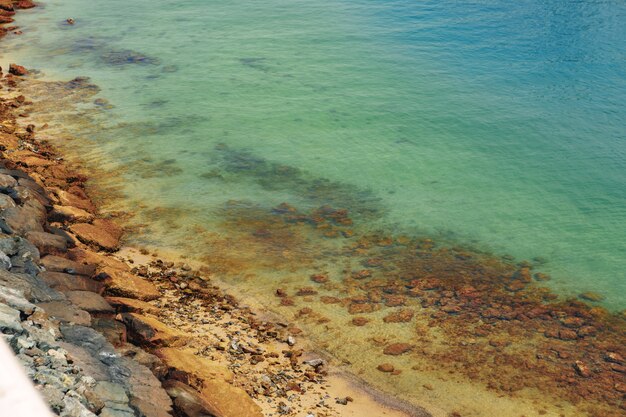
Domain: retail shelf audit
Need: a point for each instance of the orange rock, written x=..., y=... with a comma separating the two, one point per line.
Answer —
x=69, y=213
x=402, y=316
x=130, y=305
x=360, y=308
x=396, y=349
x=92, y=235
x=17, y=69
x=319, y=278
x=360, y=321
x=125, y=284
x=69, y=199
x=148, y=330
x=111, y=227
x=385, y=367
x=197, y=368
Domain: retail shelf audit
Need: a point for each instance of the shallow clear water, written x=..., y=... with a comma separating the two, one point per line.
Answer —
x=493, y=124
x=487, y=124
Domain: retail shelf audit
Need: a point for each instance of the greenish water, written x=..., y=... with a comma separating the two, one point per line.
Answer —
x=492, y=124
x=482, y=124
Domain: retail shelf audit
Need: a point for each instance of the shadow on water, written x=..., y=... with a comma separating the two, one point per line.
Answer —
x=233, y=164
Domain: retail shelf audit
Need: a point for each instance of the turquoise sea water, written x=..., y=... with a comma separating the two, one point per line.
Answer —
x=490, y=123
x=485, y=124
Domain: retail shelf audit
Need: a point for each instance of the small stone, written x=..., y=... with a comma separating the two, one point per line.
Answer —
x=360, y=321
x=614, y=357
x=591, y=296
x=401, y=316
x=17, y=70
x=582, y=369
x=396, y=349
x=319, y=278
x=385, y=367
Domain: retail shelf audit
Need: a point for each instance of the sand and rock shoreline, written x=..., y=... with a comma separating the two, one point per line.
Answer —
x=113, y=331
x=85, y=323
x=100, y=334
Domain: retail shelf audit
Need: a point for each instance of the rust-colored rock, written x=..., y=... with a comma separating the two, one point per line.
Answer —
x=360, y=308
x=58, y=264
x=70, y=213
x=92, y=235
x=69, y=199
x=396, y=349
x=402, y=316
x=131, y=305
x=17, y=70
x=198, y=369
x=319, y=278
x=25, y=4
x=149, y=331
x=66, y=282
x=582, y=369
x=125, y=284
x=360, y=321
x=385, y=367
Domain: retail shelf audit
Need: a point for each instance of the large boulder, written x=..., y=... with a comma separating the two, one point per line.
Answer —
x=197, y=368
x=96, y=236
x=125, y=284
x=67, y=282
x=147, y=330
x=47, y=243
x=66, y=312
x=58, y=264
x=89, y=301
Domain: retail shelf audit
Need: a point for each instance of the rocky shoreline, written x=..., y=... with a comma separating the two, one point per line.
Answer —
x=99, y=334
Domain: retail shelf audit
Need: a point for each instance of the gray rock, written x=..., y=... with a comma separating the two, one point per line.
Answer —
x=28, y=183
x=89, y=364
x=53, y=397
x=110, y=392
x=6, y=201
x=146, y=392
x=15, y=298
x=9, y=245
x=7, y=182
x=44, y=331
x=110, y=412
x=29, y=197
x=10, y=319
x=74, y=408
x=5, y=261
x=33, y=288
x=25, y=249
x=87, y=338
